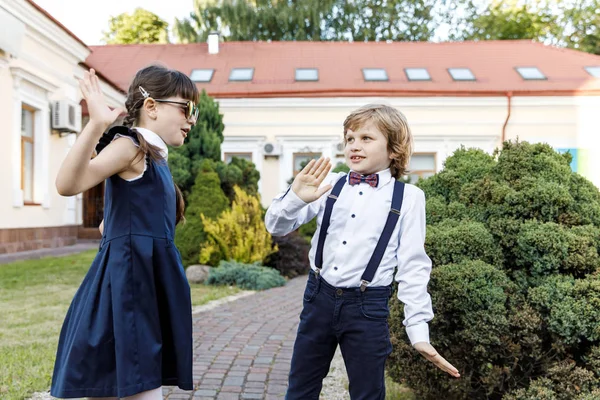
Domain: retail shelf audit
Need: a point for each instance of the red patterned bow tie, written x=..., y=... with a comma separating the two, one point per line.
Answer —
x=356, y=178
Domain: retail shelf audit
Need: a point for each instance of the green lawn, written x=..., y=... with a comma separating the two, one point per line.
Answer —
x=34, y=298
x=395, y=391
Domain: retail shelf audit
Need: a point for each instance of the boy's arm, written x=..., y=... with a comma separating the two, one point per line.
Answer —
x=287, y=212
x=303, y=199
x=414, y=267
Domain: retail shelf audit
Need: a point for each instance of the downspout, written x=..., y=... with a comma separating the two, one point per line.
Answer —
x=509, y=97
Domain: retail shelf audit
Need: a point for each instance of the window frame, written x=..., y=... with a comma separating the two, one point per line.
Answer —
x=294, y=155
x=30, y=140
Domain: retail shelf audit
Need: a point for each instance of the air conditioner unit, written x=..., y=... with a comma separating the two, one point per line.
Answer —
x=66, y=116
x=338, y=148
x=272, y=149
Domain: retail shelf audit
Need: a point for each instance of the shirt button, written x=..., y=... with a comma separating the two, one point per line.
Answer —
x=335, y=268
x=353, y=215
x=344, y=242
x=360, y=193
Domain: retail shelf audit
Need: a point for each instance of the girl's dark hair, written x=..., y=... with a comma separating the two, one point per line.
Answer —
x=160, y=83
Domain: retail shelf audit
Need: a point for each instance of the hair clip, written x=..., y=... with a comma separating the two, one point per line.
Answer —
x=144, y=93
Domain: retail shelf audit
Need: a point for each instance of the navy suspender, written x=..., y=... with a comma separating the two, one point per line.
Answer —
x=331, y=199
x=384, y=239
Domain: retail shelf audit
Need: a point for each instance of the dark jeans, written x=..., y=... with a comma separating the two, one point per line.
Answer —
x=355, y=320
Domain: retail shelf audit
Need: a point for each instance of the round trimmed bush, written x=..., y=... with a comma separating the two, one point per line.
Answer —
x=514, y=239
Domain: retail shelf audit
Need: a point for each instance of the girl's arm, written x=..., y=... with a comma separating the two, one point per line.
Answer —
x=78, y=171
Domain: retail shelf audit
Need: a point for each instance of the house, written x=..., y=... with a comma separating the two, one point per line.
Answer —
x=285, y=102
x=40, y=61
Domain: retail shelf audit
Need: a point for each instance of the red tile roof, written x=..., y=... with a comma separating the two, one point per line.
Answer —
x=339, y=63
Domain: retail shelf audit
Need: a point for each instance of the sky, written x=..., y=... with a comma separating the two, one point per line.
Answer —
x=88, y=19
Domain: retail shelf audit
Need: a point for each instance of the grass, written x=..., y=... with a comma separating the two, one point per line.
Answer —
x=34, y=298
x=395, y=391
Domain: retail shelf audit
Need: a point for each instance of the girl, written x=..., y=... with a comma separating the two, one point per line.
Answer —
x=129, y=328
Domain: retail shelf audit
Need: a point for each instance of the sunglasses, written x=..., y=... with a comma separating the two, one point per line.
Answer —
x=191, y=110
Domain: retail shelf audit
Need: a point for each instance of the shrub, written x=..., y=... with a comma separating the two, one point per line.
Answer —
x=291, y=259
x=238, y=234
x=453, y=241
x=206, y=199
x=245, y=276
x=514, y=239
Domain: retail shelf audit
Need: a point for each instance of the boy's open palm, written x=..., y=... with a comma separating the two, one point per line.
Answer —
x=92, y=93
x=430, y=353
x=306, y=183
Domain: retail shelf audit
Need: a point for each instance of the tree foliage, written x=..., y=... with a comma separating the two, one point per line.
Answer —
x=315, y=20
x=141, y=26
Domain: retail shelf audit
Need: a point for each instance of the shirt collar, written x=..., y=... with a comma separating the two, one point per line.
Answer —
x=154, y=139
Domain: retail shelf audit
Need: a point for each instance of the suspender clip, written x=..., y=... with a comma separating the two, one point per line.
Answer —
x=332, y=196
x=318, y=272
x=395, y=211
x=363, y=285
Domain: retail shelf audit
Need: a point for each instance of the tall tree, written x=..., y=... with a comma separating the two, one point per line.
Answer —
x=358, y=20
x=580, y=24
x=569, y=23
x=204, y=143
x=142, y=26
x=508, y=20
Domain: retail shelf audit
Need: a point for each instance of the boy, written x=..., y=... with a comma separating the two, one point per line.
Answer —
x=366, y=227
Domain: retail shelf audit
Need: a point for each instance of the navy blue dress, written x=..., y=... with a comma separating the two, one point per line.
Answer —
x=129, y=327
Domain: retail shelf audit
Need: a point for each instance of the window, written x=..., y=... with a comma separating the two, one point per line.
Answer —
x=27, y=144
x=241, y=74
x=417, y=74
x=531, y=73
x=307, y=74
x=422, y=165
x=461, y=74
x=374, y=74
x=301, y=159
x=229, y=156
x=593, y=71
x=202, y=75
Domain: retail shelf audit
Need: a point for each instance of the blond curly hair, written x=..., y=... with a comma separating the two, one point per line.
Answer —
x=393, y=125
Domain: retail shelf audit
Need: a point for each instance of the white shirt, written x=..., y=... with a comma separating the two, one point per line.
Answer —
x=151, y=138
x=357, y=221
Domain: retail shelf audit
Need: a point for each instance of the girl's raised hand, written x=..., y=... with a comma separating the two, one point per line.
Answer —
x=306, y=183
x=99, y=112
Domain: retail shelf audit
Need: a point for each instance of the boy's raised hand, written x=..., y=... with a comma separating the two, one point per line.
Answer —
x=306, y=183
x=430, y=353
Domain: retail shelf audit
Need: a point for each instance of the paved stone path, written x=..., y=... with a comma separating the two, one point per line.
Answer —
x=243, y=349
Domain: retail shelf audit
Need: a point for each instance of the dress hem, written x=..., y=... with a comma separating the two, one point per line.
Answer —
x=119, y=392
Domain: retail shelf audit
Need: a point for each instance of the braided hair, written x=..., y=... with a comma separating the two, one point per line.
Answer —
x=160, y=83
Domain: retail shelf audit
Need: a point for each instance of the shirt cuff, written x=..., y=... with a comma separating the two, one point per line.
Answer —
x=418, y=333
x=291, y=202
